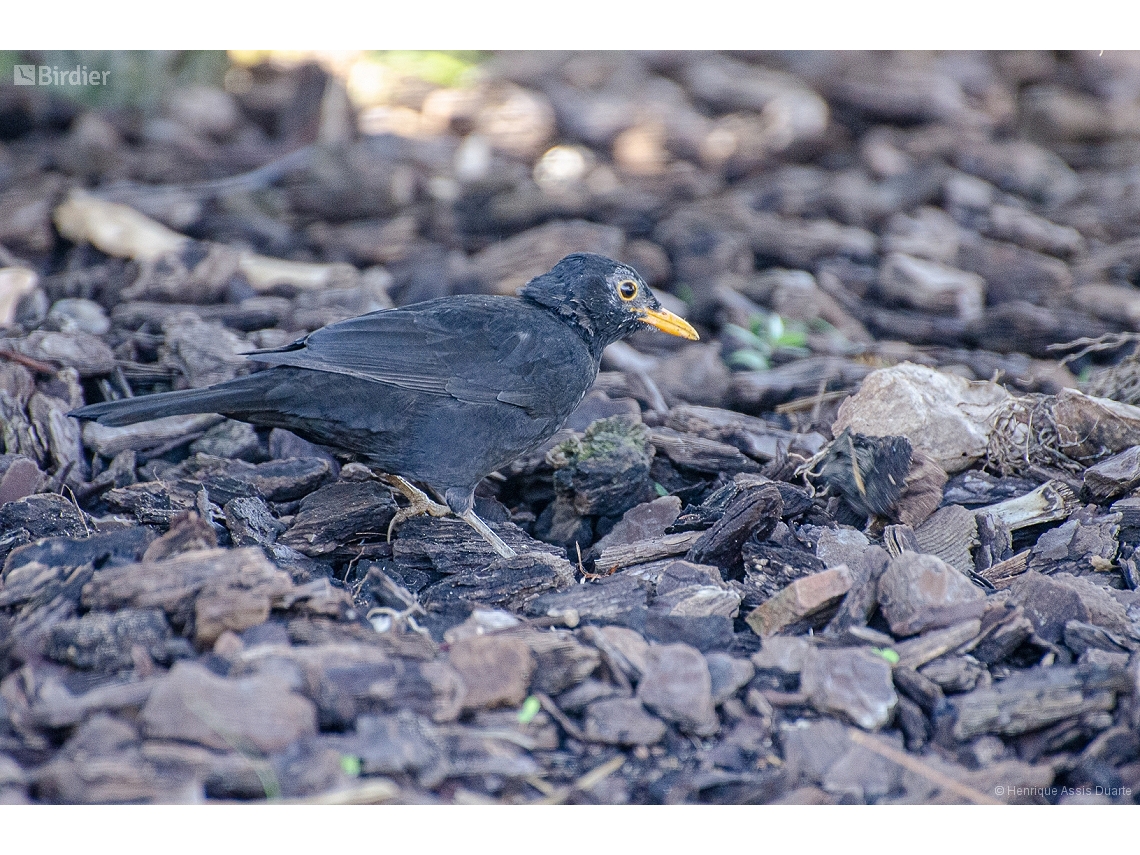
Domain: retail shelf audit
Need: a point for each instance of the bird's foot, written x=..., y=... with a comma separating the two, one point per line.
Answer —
x=418, y=503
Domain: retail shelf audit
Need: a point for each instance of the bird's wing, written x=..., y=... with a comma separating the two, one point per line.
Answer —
x=475, y=349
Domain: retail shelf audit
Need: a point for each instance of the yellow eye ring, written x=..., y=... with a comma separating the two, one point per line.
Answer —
x=627, y=289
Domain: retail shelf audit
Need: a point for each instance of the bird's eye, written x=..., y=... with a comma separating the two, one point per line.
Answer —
x=627, y=289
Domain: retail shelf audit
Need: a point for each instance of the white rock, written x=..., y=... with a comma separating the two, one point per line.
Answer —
x=946, y=416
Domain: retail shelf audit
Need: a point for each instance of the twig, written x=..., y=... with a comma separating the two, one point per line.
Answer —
x=912, y=764
x=366, y=793
x=587, y=782
x=177, y=442
x=610, y=655
x=784, y=699
x=542, y=786
x=599, y=773
x=652, y=393
x=82, y=516
x=552, y=709
x=1109, y=341
x=121, y=380
x=855, y=473
x=28, y=362
x=256, y=179
x=813, y=401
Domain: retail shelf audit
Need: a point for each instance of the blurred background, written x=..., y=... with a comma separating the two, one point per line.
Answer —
x=965, y=209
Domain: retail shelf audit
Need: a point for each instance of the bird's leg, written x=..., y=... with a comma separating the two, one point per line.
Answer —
x=462, y=503
x=419, y=503
x=471, y=518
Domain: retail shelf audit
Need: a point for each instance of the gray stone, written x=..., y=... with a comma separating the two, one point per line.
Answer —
x=629, y=644
x=780, y=653
x=1077, y=545
x=641, y=522
x=1081, y=637
x=560, y=660
x=1115, y=476
x=699, y=601
x=929, y=233
x=728, y=675
x=850, y=682
x=74, y=314
x=932, y=286
x=864, y=774
x=955, y=674
x=585, y=693
x=257, y=714
x=124, y=777
x=622, y=721
x=804, y=597
x=390, y=744
x=204, y=352
x=1104, y=659
x=919, y=592
x=84, y=352
x=812, y=747
x=495, y=669
x=229, y=439
x=679, y=574
x=677, y=686
x=19, y=477
x=836, y=546
x=1052, y=601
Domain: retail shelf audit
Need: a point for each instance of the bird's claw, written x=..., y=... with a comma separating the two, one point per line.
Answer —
x=434, y=509
x=418, y=503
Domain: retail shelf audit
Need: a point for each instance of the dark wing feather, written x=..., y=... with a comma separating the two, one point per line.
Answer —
x=475, y=349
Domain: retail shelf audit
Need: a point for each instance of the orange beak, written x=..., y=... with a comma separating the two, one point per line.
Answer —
x=667, y=322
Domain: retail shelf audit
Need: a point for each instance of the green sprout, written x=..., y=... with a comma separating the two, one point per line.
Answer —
x=886, y=653
x=350, y=765
x=529, y=710
x=765, y=334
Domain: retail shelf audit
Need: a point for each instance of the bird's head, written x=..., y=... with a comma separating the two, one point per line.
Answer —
x=605, y=300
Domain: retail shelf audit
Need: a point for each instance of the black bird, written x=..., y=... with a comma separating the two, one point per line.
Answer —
x=442, y=392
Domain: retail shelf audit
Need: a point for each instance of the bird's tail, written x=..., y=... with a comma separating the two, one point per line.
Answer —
x=231, y=397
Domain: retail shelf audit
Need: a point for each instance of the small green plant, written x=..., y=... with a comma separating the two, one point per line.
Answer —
x=350, y=764
x=886, y=653
x=529, y=710
x=765, y=335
